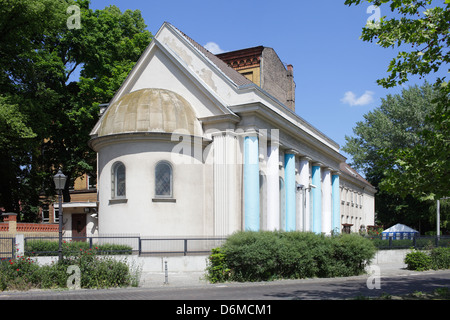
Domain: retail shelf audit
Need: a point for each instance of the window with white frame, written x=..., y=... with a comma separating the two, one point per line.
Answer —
x=118, y=181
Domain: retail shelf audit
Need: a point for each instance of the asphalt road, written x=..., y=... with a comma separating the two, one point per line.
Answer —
x=305, y=289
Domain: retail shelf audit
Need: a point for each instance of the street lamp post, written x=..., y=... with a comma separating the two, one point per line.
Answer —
x=60, y=183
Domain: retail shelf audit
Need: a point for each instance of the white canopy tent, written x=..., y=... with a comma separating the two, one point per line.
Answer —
x=399, y=231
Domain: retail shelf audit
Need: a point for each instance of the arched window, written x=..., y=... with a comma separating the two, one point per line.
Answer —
x=163, y=180
x=118, y=181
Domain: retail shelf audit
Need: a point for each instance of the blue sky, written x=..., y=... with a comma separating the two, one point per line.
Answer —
x=335, y=72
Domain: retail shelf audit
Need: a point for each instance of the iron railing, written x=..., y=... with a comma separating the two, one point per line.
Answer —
x=129, y=245
x=7, y=248
x=416, y=242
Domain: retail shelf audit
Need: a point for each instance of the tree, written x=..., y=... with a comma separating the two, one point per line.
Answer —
x=395, y=124
x=54, y=113
x=421, y=170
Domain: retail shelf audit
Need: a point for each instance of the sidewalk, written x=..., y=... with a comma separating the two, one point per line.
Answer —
x=184, y=279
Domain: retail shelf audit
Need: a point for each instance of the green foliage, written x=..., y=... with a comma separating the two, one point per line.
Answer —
x=46, y=110
x=264, y=255
x=17, y=274
x=96, y=271
x=422, y=169
x=418, y=260
x=440, y=258
x=397, y=124
x=420, y=26
x=437, y=258
x=216, y=269
x=49, y=248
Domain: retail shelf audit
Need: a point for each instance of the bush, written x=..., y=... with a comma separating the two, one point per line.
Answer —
x=217, y=270
x=18, y=274
x=50, y=248
x=264, y=255
x=440, y=258
x=418, y=260
x=98, y=272
x=95, y=271
x=251, y=256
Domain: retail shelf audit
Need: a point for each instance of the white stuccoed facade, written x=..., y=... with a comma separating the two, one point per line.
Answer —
x=231, y=146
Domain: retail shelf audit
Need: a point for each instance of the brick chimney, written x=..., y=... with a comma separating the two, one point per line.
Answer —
x=290, y=98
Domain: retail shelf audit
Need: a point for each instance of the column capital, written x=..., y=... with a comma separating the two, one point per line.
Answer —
x=305, y=158
x=291, y=151
x=251, y=133
x=317, y=164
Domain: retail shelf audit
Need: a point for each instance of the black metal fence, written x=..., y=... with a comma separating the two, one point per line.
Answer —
x=138, y=245
x=416, y=242
x=7, y=248
x=39, y=246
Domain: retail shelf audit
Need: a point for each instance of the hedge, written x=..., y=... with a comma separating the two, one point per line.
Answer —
x=96, y=271
x=265, y=255
x=436, y=258
x=48, y=248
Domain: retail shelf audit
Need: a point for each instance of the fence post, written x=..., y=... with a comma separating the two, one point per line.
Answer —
x=390, y=242
x=13, y=248
x=139, y=247
x=19, y=245
x=185, y=246
x=414, y=241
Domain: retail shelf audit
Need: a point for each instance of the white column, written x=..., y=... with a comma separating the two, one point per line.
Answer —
x=304, y=203
x=326, y=201
x=273, y=188
x=290, y=189
x=316, y=195
x=251, y=183
x=336, y=200
x=225, y=195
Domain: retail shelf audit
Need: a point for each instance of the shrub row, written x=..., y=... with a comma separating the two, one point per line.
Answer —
x=264, y=255
x=96, y=271
x=48, y=248
x=436, y=258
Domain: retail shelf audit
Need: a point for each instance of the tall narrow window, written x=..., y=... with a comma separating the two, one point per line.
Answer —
x=282, y=205
x=118, y=180
x=163, y=180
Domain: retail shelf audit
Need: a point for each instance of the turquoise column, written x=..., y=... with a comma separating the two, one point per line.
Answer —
x=336, y=201
x=289, y=180
x=251, y=183
x=316, y=199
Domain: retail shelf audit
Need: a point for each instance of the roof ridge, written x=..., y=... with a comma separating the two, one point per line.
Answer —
x=237, y=78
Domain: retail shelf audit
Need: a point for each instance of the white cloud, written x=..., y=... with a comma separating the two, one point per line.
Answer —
x=351, y=99
x=213, y=48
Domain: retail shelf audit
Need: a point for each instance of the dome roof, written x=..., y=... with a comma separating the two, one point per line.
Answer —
x=150, y=110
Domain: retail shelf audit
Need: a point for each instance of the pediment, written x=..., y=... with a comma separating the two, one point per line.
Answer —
x=172, y=63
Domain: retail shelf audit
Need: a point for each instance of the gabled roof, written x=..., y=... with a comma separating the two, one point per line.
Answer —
x=237, y=78
x=349, y=171
x=227, y=90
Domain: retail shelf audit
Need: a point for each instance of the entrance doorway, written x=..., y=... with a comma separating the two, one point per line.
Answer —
x=78, y=227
